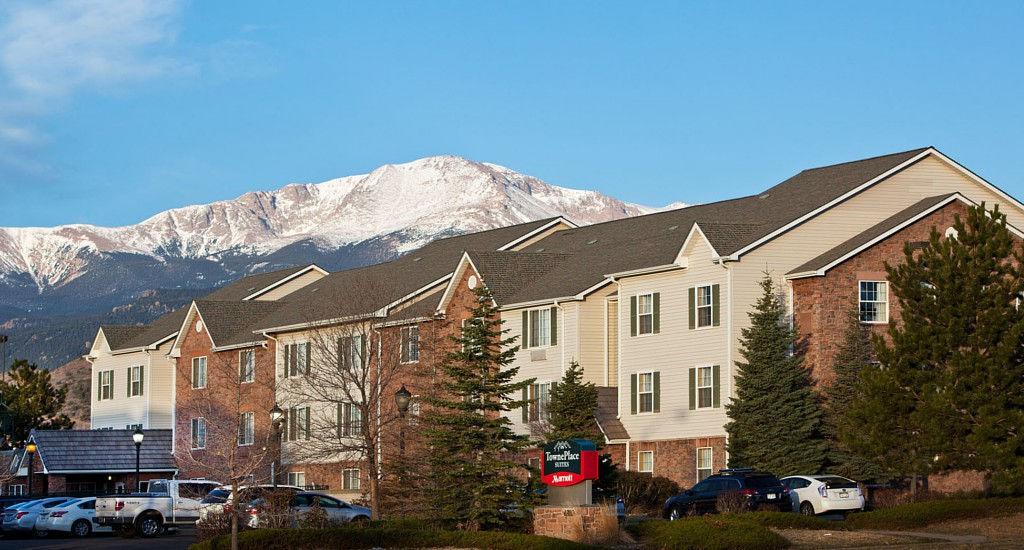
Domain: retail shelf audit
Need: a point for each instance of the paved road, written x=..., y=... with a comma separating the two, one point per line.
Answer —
x=180, y=541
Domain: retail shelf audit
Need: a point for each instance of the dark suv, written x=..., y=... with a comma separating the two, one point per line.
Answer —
x=760, y=489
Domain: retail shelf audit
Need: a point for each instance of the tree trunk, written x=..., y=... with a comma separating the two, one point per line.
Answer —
x=374, y=485
x=234, y=515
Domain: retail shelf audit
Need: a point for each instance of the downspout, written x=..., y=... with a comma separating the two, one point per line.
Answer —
x=148, y=388
x=380, y=447
x=280, y=443
x=561, y=336
x=92, y=393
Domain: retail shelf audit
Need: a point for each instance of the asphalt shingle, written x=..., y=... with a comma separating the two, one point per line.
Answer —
x=102, y=450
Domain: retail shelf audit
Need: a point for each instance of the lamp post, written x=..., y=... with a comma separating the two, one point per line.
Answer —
x=402, y=397
x=276, y=417
x=31, y=450
x=137, y=437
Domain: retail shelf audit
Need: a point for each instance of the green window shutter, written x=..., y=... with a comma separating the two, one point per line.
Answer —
x=693, y=386
x=554, y=326
x=341, y=421
x=526, y=402
x=656, y=297
x=693, y=308
x=657, y=391
x=632, y=394
x=142, y=380
x=715, y=300
x=716, y=385
x=525, y=340
x=99, y=385
x=632, y=315
x=129, y=379
x=308, y=358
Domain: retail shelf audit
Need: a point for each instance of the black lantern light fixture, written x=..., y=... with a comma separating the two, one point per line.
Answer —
x=276, y=418
x=137, y=438
x=30, y=449
x=402, y=398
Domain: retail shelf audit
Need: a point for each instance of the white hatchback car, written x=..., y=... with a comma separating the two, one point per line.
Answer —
x=813, y=495
x=77, y=517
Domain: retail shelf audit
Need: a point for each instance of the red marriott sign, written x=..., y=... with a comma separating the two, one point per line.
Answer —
x=568, y=462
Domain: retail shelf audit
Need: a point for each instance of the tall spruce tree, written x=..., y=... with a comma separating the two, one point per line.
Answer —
x=473, y=467
x=571, y=407
x=775, y=419
x=952, y=372
x=32, y=402
x=854, y=355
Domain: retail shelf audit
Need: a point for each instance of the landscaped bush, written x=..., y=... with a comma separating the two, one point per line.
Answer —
x=789, y=520
x=919, y=514
x=732, y=532
x=645, y=492
x=385, y=537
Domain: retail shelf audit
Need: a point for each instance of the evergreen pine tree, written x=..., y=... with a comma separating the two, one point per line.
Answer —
x=775, y=419
x=571, y=408
x=952, y=372
x=853, y=356
x=32, y=402
x=473, y=467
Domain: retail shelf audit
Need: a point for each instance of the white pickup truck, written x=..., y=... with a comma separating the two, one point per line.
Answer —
x=168, y=503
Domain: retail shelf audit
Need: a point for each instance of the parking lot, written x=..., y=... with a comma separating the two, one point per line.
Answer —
x=179, y=541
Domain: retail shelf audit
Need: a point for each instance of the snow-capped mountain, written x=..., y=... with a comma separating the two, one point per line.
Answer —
x=413, y=202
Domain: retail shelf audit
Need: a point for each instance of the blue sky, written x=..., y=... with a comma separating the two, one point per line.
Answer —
x=111, y=111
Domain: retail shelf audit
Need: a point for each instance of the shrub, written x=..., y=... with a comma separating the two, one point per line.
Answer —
x=603, y=530
x=643, y=491
x=213, y=526
x=918, y=514
x=315, y=518
x=788, y=520
x=352, y=537
x=731, y=502
x=708, y=533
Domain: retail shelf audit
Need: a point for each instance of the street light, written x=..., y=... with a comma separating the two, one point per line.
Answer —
x=31, y=450
x=276, y=417
x=402, y=397
x=137, y=437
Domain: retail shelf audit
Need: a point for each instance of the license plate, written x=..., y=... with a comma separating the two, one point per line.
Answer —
x=844, y=494
x=771, y=496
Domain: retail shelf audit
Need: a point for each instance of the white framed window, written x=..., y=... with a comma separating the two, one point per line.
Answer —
x=350, y=352
x=198, y=373
x=540, y=395
x=645, y=392
x=705, y=306
x=16, y=490
x=246, y=428
x=350, y=420
x=645, y=314
x=704, y=463
x=540, y=328
x=135, y=381
x=874, y=302
x=198, y=433
x=410, y=344
x=246, y=366
x=645, y=461
x=705, y=387
x=106, y=385
x=133, y=427
x=350, y=479
x=297, y=479
x=298, y=424
x=296, y=359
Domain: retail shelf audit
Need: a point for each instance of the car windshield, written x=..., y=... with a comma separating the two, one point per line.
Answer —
x=762, y=482
x=836, y=482
x=217, y=496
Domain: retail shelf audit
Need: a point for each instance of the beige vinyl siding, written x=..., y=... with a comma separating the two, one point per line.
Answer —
x=281, y=291
x=674, y=350
x=611, y=351
x=591, y=338
x=928, y=178
x=160, y=387
x=153, y=409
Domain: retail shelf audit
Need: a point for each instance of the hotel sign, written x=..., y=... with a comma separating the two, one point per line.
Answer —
x=568, y=462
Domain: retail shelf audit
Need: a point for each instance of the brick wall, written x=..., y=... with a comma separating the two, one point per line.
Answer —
x=595, y=524
x=676, y=459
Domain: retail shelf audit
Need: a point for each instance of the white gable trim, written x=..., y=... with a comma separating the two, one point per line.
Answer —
x=695, y=230
x=538, y=231
x=425, y=288
x=193, y=310
x=299, y=273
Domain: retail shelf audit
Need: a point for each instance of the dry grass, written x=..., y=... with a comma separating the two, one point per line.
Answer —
x=604, y=530
x=1008, y=528
x=801, y=538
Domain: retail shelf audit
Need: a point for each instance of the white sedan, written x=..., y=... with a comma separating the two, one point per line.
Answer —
x=77, y=517
x=813, y=495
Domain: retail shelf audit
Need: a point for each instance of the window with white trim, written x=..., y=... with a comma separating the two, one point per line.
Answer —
x=16, y=489
x=705, y=306
x=106, y=383
x=198, y=433
x=350, y=479
x=350, y=352
x=645, y=392
x=874, y=301
x=540, y=396
x=540, y=328
x=246, y=366
x=704, y=463
x=133, y=427
x=198, y=373
x=705, y=387
x=297, y=479
x=645, y=461
x=350, y=420
x=411, y=344
x=246, y=428
x=135, y=384
x=645, y=313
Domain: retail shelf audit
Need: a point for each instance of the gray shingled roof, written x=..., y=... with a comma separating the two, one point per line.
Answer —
x=102, y=450
x=424, y=307
x=607, y=414
x=118, y=335
x=870, y=234
x=232, y=323
x=510, y=275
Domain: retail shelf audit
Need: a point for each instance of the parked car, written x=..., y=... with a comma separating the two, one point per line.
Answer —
x=169, y=502
x=77, y=517
x=216, y=500
x=813, y=495
x=759, y=489
x=337, y=510
x=21, y=518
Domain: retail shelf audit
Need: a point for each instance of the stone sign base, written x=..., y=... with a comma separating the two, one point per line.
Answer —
x=594, y=524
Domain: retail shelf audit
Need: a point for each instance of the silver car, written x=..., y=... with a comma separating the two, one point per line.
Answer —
x=23, y=519
x=337, y=510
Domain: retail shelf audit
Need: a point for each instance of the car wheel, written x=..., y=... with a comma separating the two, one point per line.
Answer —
x=81, y=528
x=360, y=520
x=149, y=526
x=676, y=513
x=807, y=509
x=40, y=534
